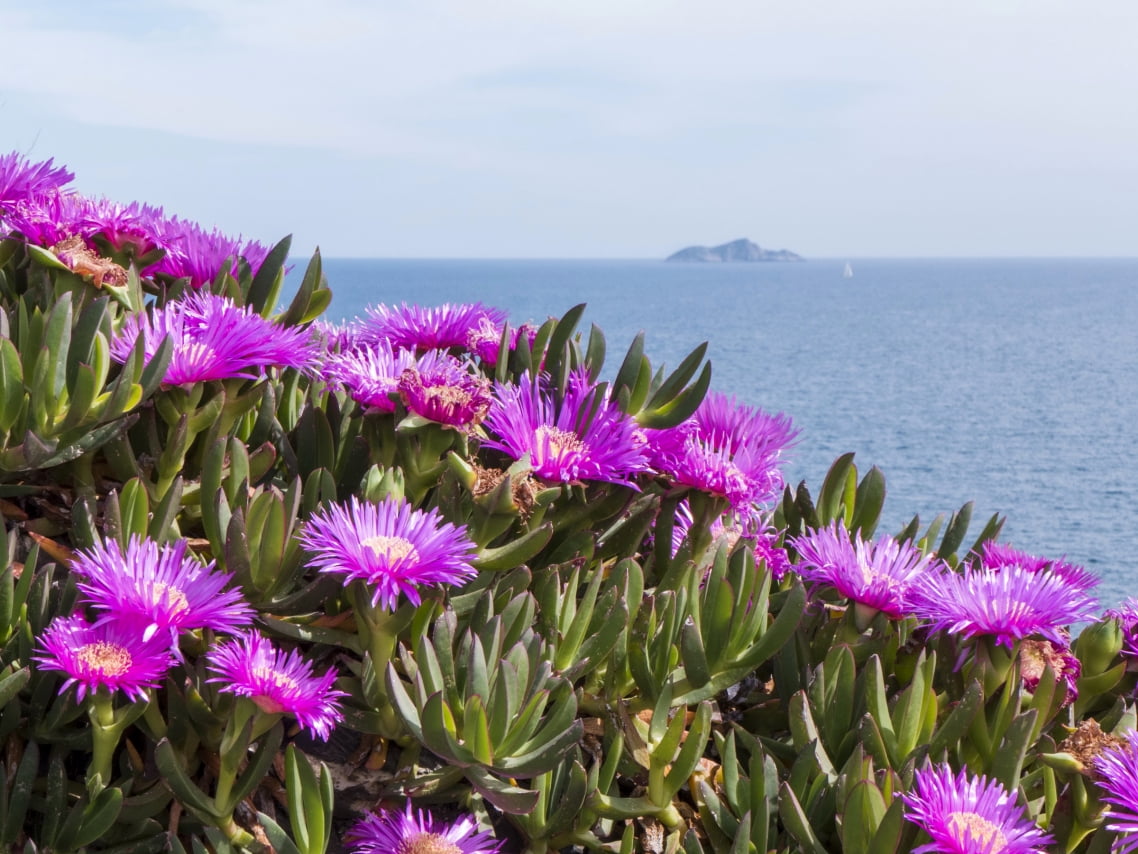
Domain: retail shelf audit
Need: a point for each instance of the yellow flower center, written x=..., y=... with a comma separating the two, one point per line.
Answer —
x=109, y=659
x=427, y=843
x=276, y=679
x=393, y=549
x=560, y=441
x=448, y=395
x=174, y=596
x=970, y=826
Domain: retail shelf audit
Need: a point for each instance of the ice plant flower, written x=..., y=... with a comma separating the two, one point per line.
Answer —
x=163, y=587
x=392, y=547
x=21, y=180
x=199, y=255
x=444, y=391
x=113, y=655
x=418, y=832
x=214, y=339
x=725, y=449
x=995, y=555
x=877, y=576
x=485, y=339
x=582, y=437
x=970, y=815
x=1117, y=773
x=371, y=373
x=278, y=682
x=1036, y=655
x=413, y=327
x=1005, y=604
x=1127, y=616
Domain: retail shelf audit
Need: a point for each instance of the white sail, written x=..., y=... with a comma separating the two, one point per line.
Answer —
x=847, y=273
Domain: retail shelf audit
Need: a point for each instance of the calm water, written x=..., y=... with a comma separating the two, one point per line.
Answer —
x=1011, y=383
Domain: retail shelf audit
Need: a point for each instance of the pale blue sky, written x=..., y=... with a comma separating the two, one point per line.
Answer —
x=595, y=128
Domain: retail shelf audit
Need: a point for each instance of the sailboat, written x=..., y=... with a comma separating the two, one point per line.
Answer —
x=847, y=273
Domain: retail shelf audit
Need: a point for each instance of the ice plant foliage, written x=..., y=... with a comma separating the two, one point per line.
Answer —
x=1116, y=770
x=278, y=681
x=970, y=815
x=726, y=449
x=582, y=437
x=392, y=547
x=1006, y=604
x=413, y=327
x=161, y=586
x=879, y=575
x=112, y=655
x=412, y=831
x=214, y=339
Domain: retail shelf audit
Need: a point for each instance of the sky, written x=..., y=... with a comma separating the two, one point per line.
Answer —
x=595, y=128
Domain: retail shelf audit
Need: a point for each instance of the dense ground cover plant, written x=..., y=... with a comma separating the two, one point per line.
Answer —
x=427, y=582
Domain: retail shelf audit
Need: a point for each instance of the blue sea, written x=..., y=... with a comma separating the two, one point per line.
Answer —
x=1009, y=383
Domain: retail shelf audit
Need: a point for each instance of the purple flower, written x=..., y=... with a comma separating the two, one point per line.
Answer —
x=1006, y=604
x=485, y=340
x=278, y=682
x=999, y=555
x=162, y=587
x=965, y=815
x=50, y=219
x=390, y=546
x=21, y=180
x=879, y=575
x=413, y=327
x=442, y=390
x=1127, y=616
x=725, y=449
x=1117, y=774
x=371, y=374
x=418, y=832
x=582, y=437
x=199, y=255
x=112, y=654
x=756, y=531
x=214, y=339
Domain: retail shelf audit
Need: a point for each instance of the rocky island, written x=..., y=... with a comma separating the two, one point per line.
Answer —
x=737, y=250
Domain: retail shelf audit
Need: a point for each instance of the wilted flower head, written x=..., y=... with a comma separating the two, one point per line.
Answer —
x=964, y=815
x=418, y=832
x=1006, y=604
x=21, y=180
x=214, y=339
x=1036, y=655
x=879, y=575
x=278, y=682
x=725, y=449
x=392, y=547
x=112, y=654
x=163, y=588
x=582, y=437
x=1117, y=773
x=995, y=555
x=444, y=391
x=413, y=327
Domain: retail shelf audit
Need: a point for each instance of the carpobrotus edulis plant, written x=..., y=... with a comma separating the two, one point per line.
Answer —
x=262, y=575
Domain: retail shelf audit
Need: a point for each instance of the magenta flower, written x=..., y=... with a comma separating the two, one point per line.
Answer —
x=21, y=180
x=413, y=327
x=199, y=255
x=877, y=575
x=390, y=546
x=485, y=340
x=1117, y=773
x=582, y=437
x=278, y=682
x=112, y=654
x=1006, y=604
x=442, y=390
x=725, y=449
x=999, y=555
x=371, y=374
x=418, y=832
x=50, y=219
x=162, y=587
x=1127, y=616
x=964, y=815
x=214, y=339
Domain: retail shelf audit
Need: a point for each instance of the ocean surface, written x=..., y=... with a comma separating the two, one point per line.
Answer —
x=1009, y=383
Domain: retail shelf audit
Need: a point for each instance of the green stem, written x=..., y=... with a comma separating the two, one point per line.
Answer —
x=104, y=740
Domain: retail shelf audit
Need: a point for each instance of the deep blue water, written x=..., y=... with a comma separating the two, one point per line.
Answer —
x=1011, y=383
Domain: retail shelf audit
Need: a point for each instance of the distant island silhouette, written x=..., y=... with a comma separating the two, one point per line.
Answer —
x=737, y=250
